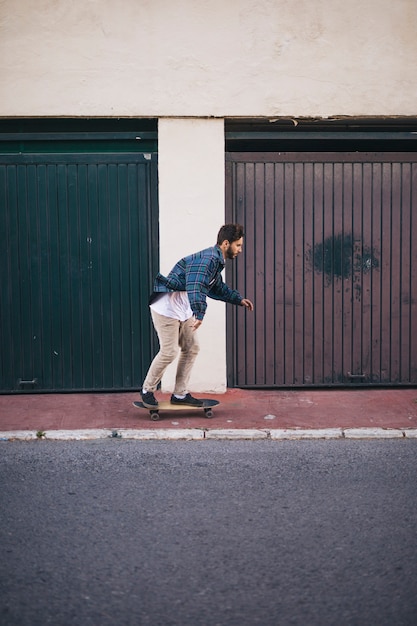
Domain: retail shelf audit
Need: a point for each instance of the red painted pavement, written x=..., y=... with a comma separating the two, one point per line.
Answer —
x=351, y=408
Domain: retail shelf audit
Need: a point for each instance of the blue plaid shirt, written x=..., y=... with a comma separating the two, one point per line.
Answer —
x=199, y=275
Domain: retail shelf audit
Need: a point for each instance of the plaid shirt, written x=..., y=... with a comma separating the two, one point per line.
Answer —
x=199, y=275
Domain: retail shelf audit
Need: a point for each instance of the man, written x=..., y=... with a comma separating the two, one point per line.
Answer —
x=178, y=304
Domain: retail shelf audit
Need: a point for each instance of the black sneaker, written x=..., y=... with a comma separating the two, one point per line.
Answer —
x=188, y=400
x=149, y=400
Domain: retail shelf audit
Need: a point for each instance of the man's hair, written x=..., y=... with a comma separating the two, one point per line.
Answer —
x=230, y=232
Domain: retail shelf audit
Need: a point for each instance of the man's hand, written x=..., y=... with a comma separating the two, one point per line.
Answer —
x=197, y=324
x=247, y=303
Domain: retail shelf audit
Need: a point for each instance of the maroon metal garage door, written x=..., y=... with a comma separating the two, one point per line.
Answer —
x=330, y=261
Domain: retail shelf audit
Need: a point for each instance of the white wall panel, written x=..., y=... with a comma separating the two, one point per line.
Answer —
x=191, y=211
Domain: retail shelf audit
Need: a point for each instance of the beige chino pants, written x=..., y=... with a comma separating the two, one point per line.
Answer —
x=173, y=336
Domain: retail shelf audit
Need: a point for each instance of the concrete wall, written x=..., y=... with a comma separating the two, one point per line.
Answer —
x=208, y=58
x=191, y=205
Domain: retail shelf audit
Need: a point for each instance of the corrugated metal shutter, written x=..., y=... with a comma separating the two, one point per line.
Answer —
x=80, y=241
x=331, y=263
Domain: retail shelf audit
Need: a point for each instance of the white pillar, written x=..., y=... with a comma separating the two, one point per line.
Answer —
x=191, y=211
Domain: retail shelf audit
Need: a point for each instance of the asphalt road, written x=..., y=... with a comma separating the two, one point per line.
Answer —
x=208, y=533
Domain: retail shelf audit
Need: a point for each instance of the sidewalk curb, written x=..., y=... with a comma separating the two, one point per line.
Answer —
x=198, y=434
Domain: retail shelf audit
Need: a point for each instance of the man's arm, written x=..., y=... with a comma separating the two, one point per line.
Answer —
x=220, y=291
x=203, y=278
x=199, y=272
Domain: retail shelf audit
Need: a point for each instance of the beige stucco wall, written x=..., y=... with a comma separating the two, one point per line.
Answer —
x=199, y=58
x=191, y=211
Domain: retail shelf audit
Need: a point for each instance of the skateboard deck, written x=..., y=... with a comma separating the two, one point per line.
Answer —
x=167, y=406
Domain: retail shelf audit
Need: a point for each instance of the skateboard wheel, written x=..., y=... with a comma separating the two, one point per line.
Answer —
x=208, y=412
x=154, y=416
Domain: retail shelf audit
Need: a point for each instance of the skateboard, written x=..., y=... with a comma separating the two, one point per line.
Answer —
x=167, y=406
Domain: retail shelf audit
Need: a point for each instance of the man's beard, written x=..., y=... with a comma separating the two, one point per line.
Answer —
x=230, y=254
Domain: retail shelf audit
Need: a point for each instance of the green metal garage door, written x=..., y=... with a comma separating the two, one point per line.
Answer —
x=80, y=247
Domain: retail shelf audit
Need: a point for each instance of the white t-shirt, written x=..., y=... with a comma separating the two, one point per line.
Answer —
x=174, y=304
